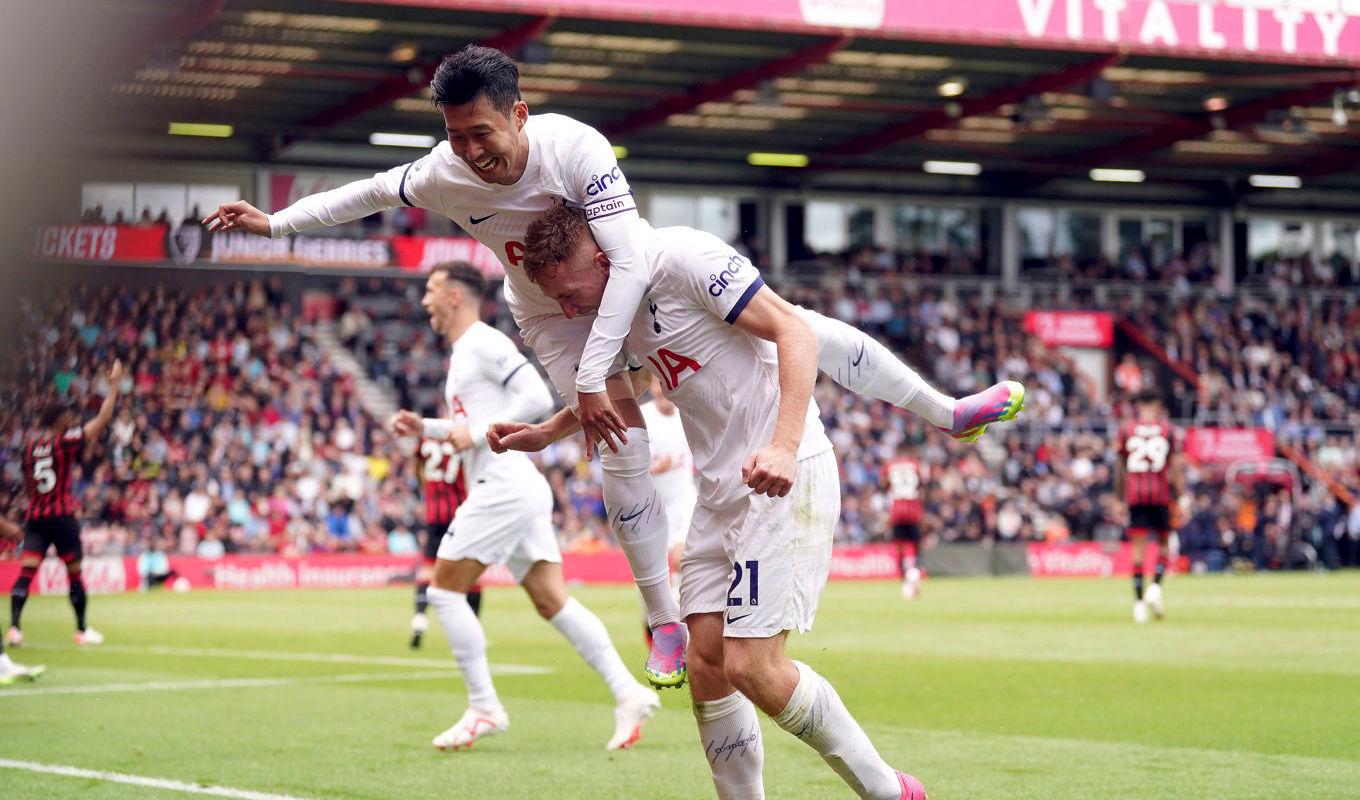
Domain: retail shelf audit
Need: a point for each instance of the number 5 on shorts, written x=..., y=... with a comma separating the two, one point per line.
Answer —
x=753, y=572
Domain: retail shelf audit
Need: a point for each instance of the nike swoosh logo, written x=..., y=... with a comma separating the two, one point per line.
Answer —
x=859, y=357
x=476, y=221
x=635, y=515
x=731, y=619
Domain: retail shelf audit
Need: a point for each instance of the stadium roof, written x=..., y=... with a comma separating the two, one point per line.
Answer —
x=308, y=81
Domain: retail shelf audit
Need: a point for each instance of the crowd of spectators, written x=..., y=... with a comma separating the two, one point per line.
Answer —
x=236, y=433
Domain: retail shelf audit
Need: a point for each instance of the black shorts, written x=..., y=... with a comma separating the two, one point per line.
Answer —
x=907, y=532
x=62, y=533
x=1151, y=519
x=434, y=534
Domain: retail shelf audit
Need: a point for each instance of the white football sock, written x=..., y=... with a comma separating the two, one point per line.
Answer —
x=861, y=363
x=816, y=715
x=730, y=734
x=638, y=520
x=468, y=643
x=588, y=635
x=5, y=664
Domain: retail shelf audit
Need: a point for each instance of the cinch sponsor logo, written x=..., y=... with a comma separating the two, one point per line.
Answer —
x=722, y=279
x=598, y=183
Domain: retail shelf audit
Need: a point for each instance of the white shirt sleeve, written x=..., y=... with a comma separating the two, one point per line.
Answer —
x=598, y=185
x=396, y=187
x=719, y=279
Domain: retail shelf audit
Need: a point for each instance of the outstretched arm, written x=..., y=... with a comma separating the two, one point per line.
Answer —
x=335, y=207
x=96, y=426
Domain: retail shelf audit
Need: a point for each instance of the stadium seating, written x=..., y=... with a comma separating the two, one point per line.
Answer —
x=231, y=378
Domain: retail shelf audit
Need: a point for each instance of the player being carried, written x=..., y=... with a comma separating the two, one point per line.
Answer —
x=11, y=671
x=739, y=363
x=51, y=520
x=506, y=517
x=1149, y=476
x=499, y=169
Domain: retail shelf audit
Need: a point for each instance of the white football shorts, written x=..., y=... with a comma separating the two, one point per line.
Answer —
x=504, y=525
x=558, y=343
x=762, y=562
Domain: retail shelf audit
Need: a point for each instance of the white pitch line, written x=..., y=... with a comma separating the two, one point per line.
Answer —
x=138, y=780
x=222, y=683
x=316, y=658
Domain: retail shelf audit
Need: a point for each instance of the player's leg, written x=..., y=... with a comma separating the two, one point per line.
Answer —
x=781, y=558
x=35, y=546
x=634, y=703
x=907, y=536
x=485, y=715
x=1160, y=552
x=1137, y=544
x=484, y=532
x=803, y=703
x=67, y=536
x=862, y=364
x=728, y=727
x=638, y=520
x=632, y=504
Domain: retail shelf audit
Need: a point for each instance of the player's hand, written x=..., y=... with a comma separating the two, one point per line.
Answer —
x=461, y=438
x=770, y=470
x=238, y=216
x=521, y=436
x=600, y=422
x=662, y=463
x=405, y=423
x=116, y=373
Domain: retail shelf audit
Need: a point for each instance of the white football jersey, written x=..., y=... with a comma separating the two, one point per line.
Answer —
x=666, y=437
x=480, y=366
x=569, y=162
x=724, y=381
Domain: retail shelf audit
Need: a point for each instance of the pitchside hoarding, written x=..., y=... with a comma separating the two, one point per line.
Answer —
x=111, y=575
x=190, y=245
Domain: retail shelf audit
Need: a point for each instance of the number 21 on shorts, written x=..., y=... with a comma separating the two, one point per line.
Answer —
x=752, y=575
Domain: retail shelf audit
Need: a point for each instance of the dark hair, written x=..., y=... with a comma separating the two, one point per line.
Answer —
x=552, y=238
x=473, y=71
x=464, y=273
x=51, y=414
x=1147, y=396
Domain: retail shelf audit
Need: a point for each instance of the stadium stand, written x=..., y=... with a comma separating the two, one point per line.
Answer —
x=231, y=375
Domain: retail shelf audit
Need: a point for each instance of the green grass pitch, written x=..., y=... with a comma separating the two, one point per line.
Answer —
x=982, y=688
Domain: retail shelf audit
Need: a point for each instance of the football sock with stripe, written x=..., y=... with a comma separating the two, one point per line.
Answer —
x=863, y=365
x=730, y=734
x=816, y=715
x=638, y=520
x=588, y=635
